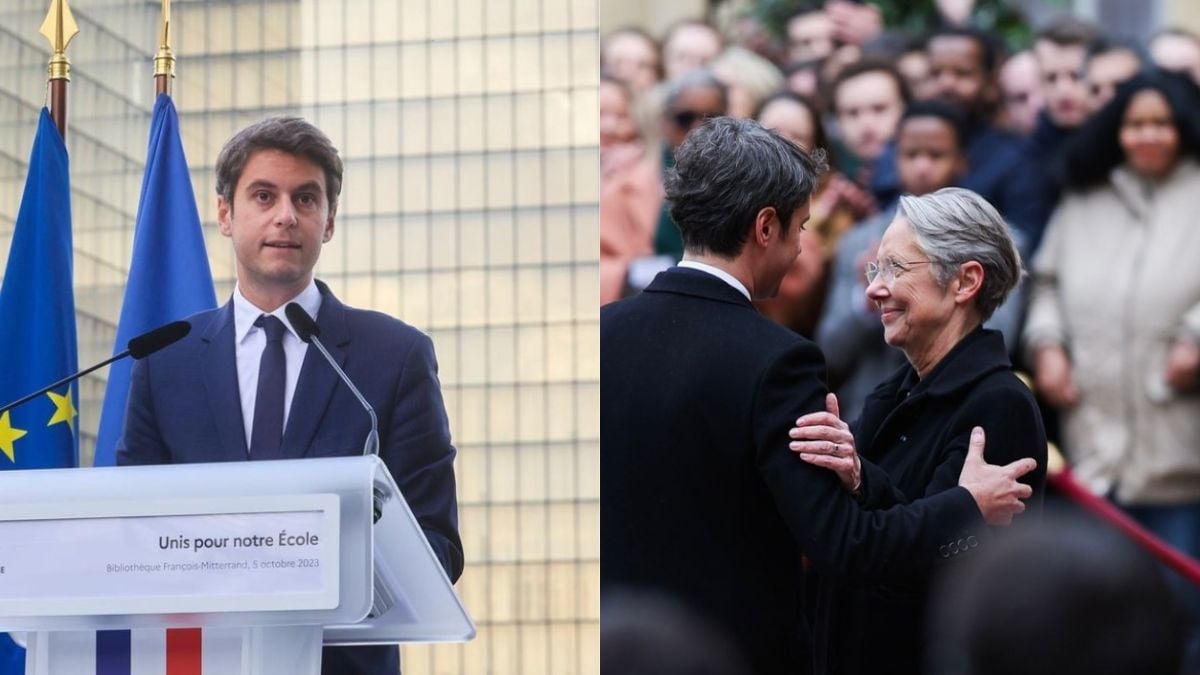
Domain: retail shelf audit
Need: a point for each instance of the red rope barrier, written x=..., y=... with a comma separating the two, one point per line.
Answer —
x=1065, y=483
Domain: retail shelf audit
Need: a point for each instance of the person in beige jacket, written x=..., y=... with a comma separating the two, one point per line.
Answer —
x=1113, y=328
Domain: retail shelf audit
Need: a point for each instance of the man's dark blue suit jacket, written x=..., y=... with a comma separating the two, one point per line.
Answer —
x=184, y=406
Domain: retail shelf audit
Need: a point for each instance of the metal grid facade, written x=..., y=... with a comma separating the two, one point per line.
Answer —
x=469, y=210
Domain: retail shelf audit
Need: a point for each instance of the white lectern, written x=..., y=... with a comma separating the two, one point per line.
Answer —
x=270, y=559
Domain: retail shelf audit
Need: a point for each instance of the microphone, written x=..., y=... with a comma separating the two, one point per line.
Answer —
x=308, y=330
x=147, y=343
x=139, y=348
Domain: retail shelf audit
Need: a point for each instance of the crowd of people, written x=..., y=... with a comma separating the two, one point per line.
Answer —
x=1086, y=146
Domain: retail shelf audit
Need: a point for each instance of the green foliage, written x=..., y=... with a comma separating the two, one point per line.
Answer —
x=774, y=13
x=913, y=17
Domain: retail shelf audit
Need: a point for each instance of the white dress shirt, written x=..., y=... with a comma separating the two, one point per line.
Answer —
x=250, y=340
x=718, y=273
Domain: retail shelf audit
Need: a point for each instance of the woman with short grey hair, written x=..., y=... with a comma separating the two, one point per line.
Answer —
x=944, y=265
x=954, y=225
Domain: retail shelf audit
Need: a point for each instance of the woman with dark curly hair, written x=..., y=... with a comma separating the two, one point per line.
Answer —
x=1114, y=323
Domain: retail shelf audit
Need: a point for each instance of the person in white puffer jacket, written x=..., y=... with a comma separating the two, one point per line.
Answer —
x=1113, y=328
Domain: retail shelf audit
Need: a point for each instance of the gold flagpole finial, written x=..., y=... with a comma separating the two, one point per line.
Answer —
x=59, y=27
x=164, y=60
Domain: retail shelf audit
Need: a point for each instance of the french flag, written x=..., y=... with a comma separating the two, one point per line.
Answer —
x=152, y=651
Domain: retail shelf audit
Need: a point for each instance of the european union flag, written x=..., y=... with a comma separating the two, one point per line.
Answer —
x=37, y=315
x=37, y=327
x=169, y=276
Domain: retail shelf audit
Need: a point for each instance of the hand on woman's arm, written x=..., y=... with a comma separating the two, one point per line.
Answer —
x=824, y=440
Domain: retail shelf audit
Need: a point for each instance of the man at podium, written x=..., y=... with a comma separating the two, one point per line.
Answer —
x=243, y=386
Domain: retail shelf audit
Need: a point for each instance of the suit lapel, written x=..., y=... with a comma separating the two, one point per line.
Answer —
x=221, y=384
x=317, y=381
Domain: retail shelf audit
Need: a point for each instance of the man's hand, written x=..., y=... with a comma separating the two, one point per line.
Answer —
x=1053, y=379
x=858, y=200
x=995, y=488
x=824, y=440
x=854, y=23
x=841, y=192
x=1183, y=362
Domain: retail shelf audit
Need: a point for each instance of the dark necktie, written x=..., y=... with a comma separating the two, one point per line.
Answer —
x=267, y=433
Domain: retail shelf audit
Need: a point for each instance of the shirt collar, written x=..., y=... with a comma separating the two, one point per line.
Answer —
x=718, y=273
x=245, y=313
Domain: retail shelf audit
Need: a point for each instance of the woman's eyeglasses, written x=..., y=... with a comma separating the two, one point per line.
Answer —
x=889, y=269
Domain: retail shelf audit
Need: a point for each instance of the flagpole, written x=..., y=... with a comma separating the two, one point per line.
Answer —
x=164, y=60
x=59, y=28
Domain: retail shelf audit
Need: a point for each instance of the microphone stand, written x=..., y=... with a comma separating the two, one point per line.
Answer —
x=371, y=447
x=307, y=328
x=63, y=381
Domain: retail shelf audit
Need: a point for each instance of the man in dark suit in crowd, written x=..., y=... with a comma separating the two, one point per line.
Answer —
x=701, y=497
x=242, y=385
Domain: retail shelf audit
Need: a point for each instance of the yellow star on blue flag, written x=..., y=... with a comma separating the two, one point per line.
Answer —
x=8, y=437
x=64, y=409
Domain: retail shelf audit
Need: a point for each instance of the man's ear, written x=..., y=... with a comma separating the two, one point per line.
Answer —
x=329, y=224
x=766, y=225
x=969, y=280
x=224, y=211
